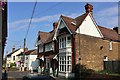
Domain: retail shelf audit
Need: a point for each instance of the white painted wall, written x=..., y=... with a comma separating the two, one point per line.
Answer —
x=14, y=54
x=62, y=25
x=88, y=27
x=10, y=59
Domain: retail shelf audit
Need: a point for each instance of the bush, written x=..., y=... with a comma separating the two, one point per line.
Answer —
x=81, y=70
x=105, y=72
x=12, y=64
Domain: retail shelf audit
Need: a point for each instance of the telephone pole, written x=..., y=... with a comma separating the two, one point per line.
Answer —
x=24, y=54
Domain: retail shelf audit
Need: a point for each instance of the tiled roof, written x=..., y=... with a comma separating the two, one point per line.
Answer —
x=50, y=36
x=13, y=52
x=68, y=21
x=78, y=21
x=44, y=36
x=109, y=33
x=29, y=52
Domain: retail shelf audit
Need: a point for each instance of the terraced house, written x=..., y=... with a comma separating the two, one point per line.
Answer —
x=78, y=40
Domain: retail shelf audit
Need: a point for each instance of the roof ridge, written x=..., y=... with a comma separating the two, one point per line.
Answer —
x=80, y=15
x=43, y=32
x=67, y=17
x=14, y=51
x=105, y=28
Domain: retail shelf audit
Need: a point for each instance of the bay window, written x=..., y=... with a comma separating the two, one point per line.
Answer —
x=68, y=41
x=65, y=63
x=64, y=42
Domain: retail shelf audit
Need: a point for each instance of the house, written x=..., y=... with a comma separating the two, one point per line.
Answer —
x=12, y=57
x=29, y=59
x=78, y=40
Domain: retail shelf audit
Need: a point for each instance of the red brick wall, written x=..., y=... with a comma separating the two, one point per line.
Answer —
x=91, y=53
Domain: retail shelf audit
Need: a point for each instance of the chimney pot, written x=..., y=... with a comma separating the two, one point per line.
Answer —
x=55, y=25
x=117, y=29
x=88, y=8
x=13, y=49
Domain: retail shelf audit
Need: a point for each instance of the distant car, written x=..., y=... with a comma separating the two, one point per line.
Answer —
x=38, y=77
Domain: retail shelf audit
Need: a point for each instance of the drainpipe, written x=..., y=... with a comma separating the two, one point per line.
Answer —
x=79, y=52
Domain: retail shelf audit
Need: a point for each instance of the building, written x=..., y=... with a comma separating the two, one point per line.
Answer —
x=3, y=26
x=47, y=49
x=13, y=58
x=78, y=40
x=30, y=62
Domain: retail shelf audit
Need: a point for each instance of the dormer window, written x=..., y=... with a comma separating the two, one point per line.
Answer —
x=73, y=23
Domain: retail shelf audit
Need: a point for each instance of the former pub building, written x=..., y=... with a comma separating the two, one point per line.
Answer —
x=58, y=50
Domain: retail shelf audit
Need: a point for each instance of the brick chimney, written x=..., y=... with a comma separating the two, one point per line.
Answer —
x=55, y=25
x=117, y=29
x=13, y=49
x=26, y=49
x=88, y=8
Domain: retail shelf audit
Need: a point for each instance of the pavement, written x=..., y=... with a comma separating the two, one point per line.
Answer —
x=15, y=75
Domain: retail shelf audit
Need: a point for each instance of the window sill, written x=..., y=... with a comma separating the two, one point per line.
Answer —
x=66, y=47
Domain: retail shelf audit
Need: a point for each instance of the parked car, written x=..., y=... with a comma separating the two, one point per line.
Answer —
x=38, y=77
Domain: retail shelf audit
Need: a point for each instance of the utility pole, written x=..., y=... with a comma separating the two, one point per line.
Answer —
x=24, y=54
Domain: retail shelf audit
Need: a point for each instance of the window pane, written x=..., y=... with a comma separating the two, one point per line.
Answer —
x=69, y=58
x=68, y=38
x=65, y=67
x=62, y=68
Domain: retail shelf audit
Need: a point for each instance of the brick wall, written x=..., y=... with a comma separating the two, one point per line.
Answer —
x=93, y=50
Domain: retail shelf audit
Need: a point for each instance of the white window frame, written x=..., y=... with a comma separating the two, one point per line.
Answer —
x=63, y=42
x=105, y=58
x=49, y=47
x=68, y=44
x=65, y=62
x=110, y=45
x=40, y=48
x=39, y=42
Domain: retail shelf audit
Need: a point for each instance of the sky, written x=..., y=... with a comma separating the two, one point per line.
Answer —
x=19, y=13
